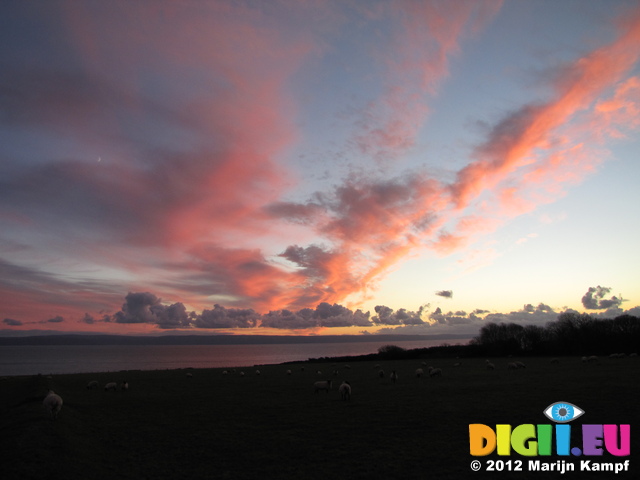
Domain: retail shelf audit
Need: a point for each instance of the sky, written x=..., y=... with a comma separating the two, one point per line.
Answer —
x=317, y=167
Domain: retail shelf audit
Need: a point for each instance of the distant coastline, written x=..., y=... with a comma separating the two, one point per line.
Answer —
x=80, y=339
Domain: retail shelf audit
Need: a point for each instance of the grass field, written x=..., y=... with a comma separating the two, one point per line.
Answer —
x=273, y=426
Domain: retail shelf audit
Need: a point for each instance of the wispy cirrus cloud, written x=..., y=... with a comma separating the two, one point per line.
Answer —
x=171, y=174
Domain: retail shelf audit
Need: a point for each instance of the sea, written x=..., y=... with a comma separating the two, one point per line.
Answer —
x=16, y=360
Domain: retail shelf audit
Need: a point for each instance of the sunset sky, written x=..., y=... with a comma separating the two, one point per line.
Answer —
x=317, y=167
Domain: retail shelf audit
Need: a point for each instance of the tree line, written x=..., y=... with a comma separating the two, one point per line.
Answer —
x=572, y=333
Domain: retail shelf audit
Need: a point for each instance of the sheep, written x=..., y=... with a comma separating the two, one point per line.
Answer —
x=189, y=375
x=520, y=365
x=322, y=385
x=257, y=372
x=512, y=366
x=633, y=354
x=53, y=404
x=457, y=364
x=111, y=386
x=335, y=373
x=318, y=372
x=124, y=386
x=419, y=372
x=490, y=366
x=381, y=373
x=435, y=372
x=288, y=372
x=393, y=377
x=92, y=384
x=592, y=358
x=242, y=374
x=345, y=390
x=225, y=372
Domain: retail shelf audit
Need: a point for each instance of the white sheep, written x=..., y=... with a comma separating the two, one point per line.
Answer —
x=189, y=375
x=225, y=372
x=435, y=372
x=345, y=390
x=124, y=386
x=490, y=366
x=393, y=377
x=592, y=358
x=520, y=365
x=257, y=372
x=419, y=372
x=53, y=404
x=322, y=385
x=92, y=384
x=288, y=372
x=242, y=374
x=111, y=386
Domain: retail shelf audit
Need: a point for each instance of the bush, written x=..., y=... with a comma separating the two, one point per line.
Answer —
x=392, y=352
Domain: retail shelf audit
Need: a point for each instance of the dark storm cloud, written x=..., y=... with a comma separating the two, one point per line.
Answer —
x=594, y=299
x=386, y=316
x=145, y=307
x=221, y=317
x=11, y=322
x=57, y=319
x=324, y=315
x=445, y=293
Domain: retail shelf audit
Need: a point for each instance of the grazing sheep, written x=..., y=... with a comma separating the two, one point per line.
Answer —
x=512, y=366
x=345, y=390
x=592, y=358
x=242, y=374
x=111, y=386
x=224, y=372
x=393, y=377
x=457, y=364
x=633, y=354
x=257, y=372
x=92, y=384
x=435, y=372
x=189, y=375
x=53, y=404
x=490, y=366
x=322, y=385
x=520, y=365
x=419, y=372
x=318, y=372
x=288, y=372
x=124, y=386
x=347, y=366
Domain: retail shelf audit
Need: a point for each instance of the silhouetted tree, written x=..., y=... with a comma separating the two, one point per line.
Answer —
x=392, y=352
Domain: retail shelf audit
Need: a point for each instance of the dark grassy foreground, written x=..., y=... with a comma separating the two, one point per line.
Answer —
x=273, y=426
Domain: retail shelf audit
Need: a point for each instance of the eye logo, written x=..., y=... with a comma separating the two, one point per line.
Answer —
x=563, y=412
